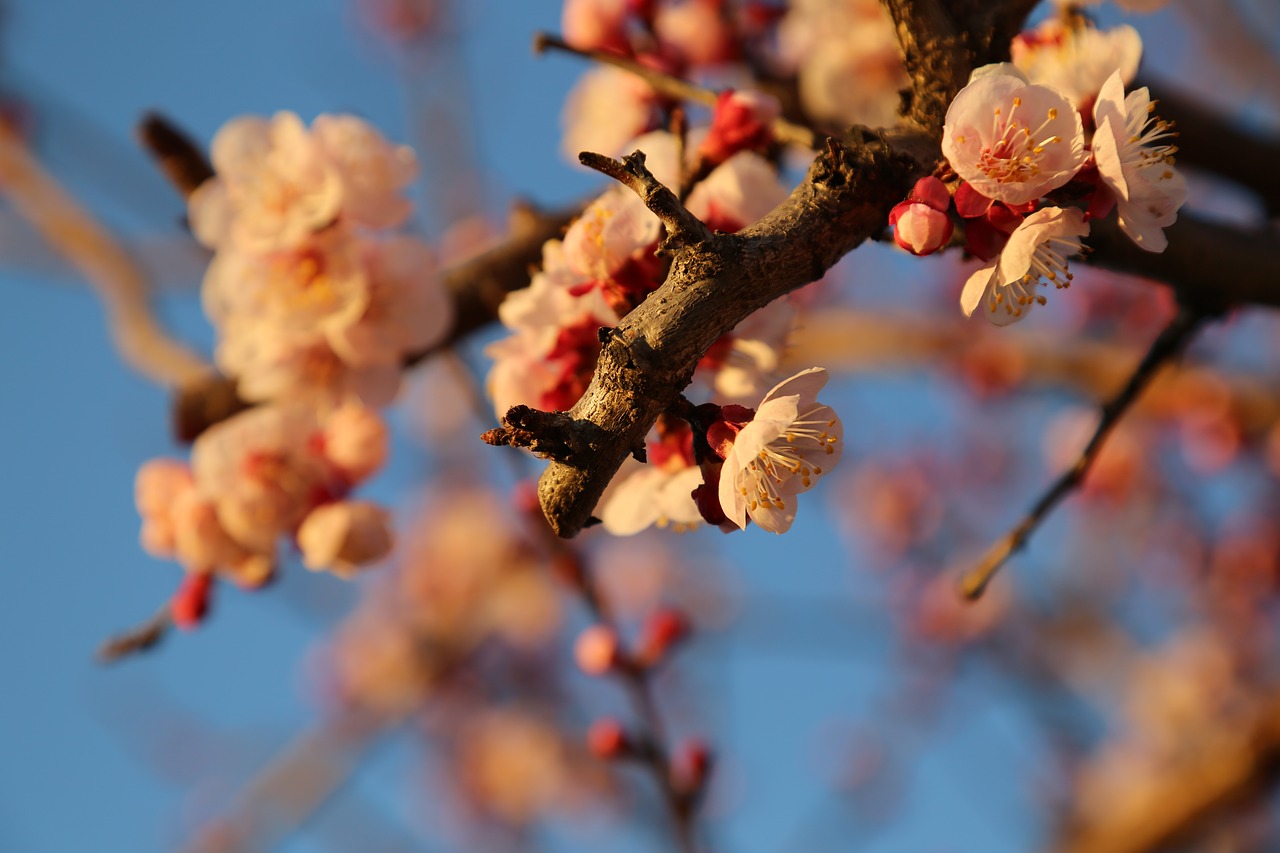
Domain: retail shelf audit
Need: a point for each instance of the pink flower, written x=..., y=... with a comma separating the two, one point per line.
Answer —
x=695, y=32
x=273, y=190
x=921, y=224
x=270, y=364
x=1077, y=59
x=1012, y=141
x=739, y=192
x=846, y=59
x=264, y=470
x=595, y=24
x=615, y=228
x=179, y=522
x=355, y=441
x=407, y=309
x=318, y=285
x=741, y=363
x=607, y=107
x=1136, y=165
x=790, y=442
x=1036, y=253
x=660, y=492
x=373, y=172
x=278, y=184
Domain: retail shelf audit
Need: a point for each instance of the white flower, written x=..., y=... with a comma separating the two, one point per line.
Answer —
x=792, y=440
x=1136, y=165
x=1036, y=253
x=645, y=495
x=1011, y=140
x=1076, y=60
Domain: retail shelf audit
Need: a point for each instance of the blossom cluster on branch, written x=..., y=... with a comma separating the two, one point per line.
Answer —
x=316, y=301
x=1038, y=148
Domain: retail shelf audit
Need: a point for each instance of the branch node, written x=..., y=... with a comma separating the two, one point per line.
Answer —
x=550, y=435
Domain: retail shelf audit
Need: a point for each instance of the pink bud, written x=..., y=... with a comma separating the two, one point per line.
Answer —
x=355, y=440
x=607, y=739
x=919, y=228
x=190, y=604
x=344, y=537
x=596, y=650
x=690, y=766
x=663, y=630
x=741, y=121
x=931, y=191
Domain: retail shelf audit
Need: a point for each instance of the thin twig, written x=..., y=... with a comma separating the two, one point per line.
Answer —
x=683, y=228
x=138, y=639
x=177, y=155
x=655, y=751
x=672, y=86
x=1167, y=346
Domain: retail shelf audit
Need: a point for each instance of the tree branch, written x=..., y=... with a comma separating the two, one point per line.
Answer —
x=683, y=228
x=1210, y=266
x=711, y=287
x=137, y=639
x=1166, y=347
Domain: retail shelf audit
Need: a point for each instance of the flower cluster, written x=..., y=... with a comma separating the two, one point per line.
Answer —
x=605, y=266
x=316, y=305
x=273, y=471
x=843, y=55
x=1028, y=141
x=309, y=294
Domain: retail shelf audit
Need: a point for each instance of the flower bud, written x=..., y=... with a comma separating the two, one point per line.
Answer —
x=607, y=739
x=741, y=121
x=664, y=629
x=190, y=604
x=691, y=766
x=920, y=229
x=596, y=650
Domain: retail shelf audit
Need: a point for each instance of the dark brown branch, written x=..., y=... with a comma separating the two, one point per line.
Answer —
x=137, y=639
x=683, y=228
x=943, y=42
x=178, y=157
x=671, y=86
x=1210, y=266
x=712, y=286
x=1167, y=346
x=551, y=435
